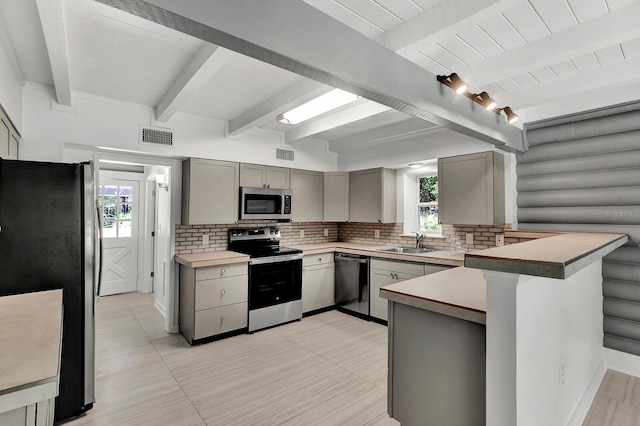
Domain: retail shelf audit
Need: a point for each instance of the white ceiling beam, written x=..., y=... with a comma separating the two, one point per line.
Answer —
x=297, y=37
x=11, y=56
x=52, y=19
x=613, y=28
x=441, y=19
x=340, y=117
x=266, y=111
x=400, y=130
x=202, y=67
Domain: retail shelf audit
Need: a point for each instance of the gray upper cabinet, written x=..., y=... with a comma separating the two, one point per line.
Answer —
x=209, y=191
x=471, y=189
x=336, y=197
x=307, y=191
x=259, y=176
x=372, y=196
x=9, y=138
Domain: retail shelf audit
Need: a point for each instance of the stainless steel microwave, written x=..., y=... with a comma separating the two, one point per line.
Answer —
x=265, y=203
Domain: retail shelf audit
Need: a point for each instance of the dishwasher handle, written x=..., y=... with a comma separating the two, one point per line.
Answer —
x=347, y=258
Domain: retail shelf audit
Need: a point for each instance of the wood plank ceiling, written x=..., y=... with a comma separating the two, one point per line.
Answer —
x=542, y=58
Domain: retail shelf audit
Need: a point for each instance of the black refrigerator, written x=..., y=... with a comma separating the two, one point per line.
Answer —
x=48, y=240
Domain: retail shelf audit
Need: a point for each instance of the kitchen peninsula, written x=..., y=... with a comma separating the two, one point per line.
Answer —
x=542, y=334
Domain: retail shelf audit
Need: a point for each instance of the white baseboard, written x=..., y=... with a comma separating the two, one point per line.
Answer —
x=160, y=307
x=622, y=362
x=583, y=406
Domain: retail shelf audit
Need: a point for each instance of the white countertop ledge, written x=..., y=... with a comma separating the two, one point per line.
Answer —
x=558, y=256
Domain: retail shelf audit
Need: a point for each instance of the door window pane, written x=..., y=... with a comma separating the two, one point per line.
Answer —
x=116, y=203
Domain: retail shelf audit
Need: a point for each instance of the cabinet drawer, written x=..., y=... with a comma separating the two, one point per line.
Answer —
x=222, y=291
x=317, y=259
x=410, y=268
x=220, y=271
x=220, y=320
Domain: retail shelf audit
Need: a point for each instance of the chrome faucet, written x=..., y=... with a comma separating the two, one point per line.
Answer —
x=419, y=238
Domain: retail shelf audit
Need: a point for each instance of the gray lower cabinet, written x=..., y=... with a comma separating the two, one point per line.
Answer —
x=213, y=300
x=436, y=368
x=318, y=278
x=383, y=272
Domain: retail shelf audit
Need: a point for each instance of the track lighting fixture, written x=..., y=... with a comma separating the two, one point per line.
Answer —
x=511, y=116
x=488, y=103
x=483, y=98
x=453, y=81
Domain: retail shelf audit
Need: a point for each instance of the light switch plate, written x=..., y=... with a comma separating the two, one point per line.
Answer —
x=469, y=238
x=326, y=232
x=205, y=240
x=499, y=240
x=302, y=233
x=377, y=233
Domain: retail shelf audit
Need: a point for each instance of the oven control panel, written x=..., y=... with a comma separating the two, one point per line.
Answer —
x=263, y=233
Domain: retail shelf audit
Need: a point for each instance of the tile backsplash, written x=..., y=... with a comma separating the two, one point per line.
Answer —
x=189, y=237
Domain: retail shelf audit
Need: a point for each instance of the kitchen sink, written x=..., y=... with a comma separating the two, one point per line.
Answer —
x=408, y=250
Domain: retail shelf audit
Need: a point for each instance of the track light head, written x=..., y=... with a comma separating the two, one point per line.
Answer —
x=457, y=84
x=511, y=116
x=453, y=81
x=488, y=103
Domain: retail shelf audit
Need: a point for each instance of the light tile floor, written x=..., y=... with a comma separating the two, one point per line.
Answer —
x=328, y=369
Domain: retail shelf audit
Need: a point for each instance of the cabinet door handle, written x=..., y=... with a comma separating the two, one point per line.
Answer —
x=222, y=293
x=221, y=321
x=222, y=272
x=320, y=260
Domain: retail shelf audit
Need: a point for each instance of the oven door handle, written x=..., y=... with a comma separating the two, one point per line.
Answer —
x=275, y=259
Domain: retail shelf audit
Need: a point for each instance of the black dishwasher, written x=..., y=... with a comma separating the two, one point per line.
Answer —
x=352, y=284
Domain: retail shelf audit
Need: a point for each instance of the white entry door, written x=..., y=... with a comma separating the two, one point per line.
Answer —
x=118, y=200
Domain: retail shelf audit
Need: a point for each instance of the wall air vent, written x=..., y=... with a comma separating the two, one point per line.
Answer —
x=156, y=136
x=284, y=154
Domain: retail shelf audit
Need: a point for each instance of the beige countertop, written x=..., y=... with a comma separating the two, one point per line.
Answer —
x=441, y=257
x=210, y=258
x=457, y=292
x=30, y=338
x=557, y=256
x=213, y=258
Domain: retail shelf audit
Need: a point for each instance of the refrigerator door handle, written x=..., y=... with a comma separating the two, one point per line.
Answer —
x=100, y=249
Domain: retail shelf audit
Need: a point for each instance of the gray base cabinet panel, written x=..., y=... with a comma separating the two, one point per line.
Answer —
x=9, y=138
x=318, y=278
x=213, y=300
x=436, y=368
x=386, y=272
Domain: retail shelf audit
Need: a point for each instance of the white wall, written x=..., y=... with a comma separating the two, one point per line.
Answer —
x=108, y=123
x=10, y=89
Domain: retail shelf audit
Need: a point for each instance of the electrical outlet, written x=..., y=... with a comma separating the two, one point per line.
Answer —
x=302, y=233
x=377, y=233
x=469, y=238
x=205, y=240
x=326, y=232
x=499, y=240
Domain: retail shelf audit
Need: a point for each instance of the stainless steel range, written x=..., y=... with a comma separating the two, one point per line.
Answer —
x=275, y=276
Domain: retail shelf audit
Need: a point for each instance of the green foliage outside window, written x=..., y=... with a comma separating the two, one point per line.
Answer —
x=428, y=205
